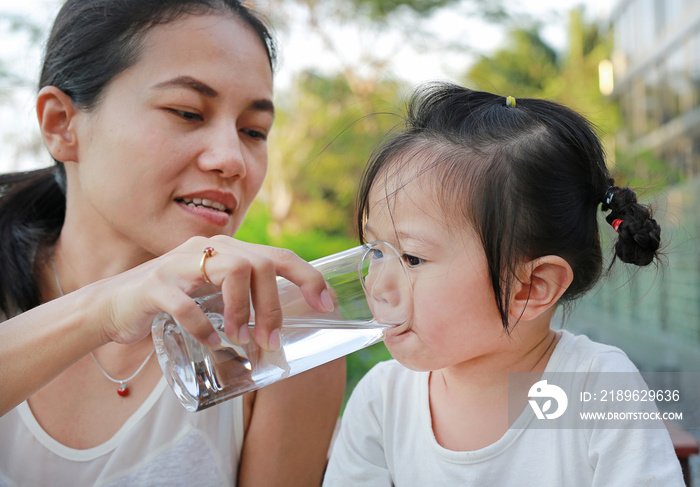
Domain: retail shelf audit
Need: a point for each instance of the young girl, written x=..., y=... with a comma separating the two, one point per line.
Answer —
x=493, y=203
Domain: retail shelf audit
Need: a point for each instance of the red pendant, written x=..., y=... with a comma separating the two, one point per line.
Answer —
x=123, y=390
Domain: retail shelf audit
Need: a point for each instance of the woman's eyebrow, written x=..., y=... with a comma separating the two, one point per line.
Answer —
x=263, y=105
x=190, y=83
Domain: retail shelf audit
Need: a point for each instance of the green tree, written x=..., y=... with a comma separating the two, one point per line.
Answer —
x=523, y=67
x=323, y=137
x=528, y=67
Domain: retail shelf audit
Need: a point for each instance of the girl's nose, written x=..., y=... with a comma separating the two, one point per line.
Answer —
x=389, y=289
x=224, y=154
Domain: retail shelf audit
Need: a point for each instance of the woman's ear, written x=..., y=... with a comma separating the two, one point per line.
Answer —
x=540, y=284
x=56, y=114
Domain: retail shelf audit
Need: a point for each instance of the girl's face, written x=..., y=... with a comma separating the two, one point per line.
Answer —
x=177, y=146
x=455, y=315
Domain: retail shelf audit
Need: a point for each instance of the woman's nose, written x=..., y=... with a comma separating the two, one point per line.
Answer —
x=224, y=154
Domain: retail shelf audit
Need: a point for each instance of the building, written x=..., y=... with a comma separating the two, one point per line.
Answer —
x=656, y=79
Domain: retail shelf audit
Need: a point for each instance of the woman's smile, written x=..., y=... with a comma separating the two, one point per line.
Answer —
x=214, y=207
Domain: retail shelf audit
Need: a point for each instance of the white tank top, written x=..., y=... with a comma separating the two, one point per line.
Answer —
x=161, y=444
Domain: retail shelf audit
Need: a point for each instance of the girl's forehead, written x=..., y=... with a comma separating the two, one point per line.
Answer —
x=402, y=181
x=413, y=189
x=403, y=195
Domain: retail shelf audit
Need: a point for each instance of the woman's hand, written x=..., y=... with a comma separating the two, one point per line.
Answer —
x=242, y=270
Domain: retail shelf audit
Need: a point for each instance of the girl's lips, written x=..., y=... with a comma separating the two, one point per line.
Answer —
x=397, y=331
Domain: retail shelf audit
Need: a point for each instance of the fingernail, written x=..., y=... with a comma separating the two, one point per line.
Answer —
x=243, y=335
x=214, y=339
x=326, y=301
x=274, y=342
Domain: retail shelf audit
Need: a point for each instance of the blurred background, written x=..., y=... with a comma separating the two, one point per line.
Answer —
x=346, y=67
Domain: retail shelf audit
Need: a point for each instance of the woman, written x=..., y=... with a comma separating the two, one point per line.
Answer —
x=157, y=113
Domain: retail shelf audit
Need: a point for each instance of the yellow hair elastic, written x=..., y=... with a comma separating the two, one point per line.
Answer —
x=510, y=101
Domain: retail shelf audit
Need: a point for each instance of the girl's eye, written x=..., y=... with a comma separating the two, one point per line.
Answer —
x=411, y=261
x=375, y=254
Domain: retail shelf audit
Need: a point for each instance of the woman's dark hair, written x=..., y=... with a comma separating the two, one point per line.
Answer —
x=528, y=178
x=91, y=42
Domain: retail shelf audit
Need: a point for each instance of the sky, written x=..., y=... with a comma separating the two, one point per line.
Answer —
x=416, y=63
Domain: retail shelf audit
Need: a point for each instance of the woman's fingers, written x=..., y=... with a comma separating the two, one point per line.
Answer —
x=235, y=290
x=314, y=288
x=183, y=308
x=266, y=303
x=246, y=273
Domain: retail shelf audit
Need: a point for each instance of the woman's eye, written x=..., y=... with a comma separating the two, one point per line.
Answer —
x=411, y=261
x=188, y=116
x=255, y=134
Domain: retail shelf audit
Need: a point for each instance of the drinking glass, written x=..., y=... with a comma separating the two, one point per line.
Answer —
x=370, y=289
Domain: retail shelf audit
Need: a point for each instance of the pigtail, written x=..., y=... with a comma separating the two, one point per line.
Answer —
x=32, y=210
x=639, y=235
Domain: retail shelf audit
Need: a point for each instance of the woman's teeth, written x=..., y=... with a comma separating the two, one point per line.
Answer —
x=204, y=203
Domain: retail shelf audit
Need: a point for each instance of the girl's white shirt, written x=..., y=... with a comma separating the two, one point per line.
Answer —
x=160, y=444
x=386, y=437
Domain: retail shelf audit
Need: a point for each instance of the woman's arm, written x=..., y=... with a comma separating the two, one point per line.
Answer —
x=39, y=344
x=290, y=429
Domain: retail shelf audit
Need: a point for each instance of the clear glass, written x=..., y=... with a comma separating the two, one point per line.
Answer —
x=371, y=292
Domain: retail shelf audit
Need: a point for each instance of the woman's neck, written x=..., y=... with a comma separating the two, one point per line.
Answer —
x=81, y=258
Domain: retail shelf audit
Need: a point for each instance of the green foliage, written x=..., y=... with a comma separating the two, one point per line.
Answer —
x=325, y=132
x=523, y=68
x=528, y=67
x=309, y=245
x=646, y=170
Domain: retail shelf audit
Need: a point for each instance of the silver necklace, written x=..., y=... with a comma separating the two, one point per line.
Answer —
x=123, y=389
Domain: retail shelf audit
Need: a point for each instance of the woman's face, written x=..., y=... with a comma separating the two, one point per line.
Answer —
x=177, y=145
x=455, y=317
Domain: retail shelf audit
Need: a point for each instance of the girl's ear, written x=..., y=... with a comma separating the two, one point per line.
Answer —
x=56, y=114
x=540, y=284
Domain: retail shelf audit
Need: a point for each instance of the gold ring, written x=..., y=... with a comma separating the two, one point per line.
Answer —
x=208, y=252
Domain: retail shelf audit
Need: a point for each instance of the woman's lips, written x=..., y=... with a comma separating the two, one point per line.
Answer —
x=212, y=212
x=204, y=203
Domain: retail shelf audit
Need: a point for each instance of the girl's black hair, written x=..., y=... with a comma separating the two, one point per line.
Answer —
x=528, y=178
x=91, y=42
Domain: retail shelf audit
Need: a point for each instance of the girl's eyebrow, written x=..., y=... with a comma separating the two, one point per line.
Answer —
x=420, y=238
